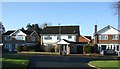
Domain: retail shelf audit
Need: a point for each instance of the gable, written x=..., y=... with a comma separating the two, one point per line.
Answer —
x=18, y=32
x=108, y=30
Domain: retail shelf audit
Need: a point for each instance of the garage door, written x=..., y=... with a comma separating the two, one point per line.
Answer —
x=79, y=49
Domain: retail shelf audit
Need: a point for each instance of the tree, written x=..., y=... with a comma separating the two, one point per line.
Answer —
x=116, y=7
x=33, y=27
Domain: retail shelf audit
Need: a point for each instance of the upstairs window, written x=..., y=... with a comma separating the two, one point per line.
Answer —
x=69, y=36
x=115, y=37
x=19, y=37
x=58, y=37
x=103, y=37
x=7, y=37
x=47, y=37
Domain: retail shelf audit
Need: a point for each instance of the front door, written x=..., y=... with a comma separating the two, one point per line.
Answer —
x=79, y=49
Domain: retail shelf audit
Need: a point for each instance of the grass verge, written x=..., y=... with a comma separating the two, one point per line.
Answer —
x=16, y=61
x=106, y=64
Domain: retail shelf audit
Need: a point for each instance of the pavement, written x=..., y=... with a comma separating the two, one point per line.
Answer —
x=50, y=61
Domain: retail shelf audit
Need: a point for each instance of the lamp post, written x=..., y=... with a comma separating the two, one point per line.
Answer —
x=59, y=37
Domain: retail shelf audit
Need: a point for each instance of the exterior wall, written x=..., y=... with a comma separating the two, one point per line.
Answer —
x=0, y=38
x=109, y=41
x=54, y=38
x=37, y=38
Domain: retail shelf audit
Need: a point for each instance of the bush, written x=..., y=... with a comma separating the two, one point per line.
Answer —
x=88, y=49
x=19, y=48
x=49, y=49
x=25, y=48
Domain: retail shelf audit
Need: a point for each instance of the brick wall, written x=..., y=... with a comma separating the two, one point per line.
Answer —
x=109, y=41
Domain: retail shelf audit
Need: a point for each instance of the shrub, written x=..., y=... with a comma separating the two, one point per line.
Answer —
x=49, y=49
x=88, y=49
x=25, y=48
x=19, y=48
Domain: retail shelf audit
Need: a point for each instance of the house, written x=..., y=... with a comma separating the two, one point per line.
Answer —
x=107, y=38
x=13, y=38
x=56, y=35
x=2, y=30
x=85, y=39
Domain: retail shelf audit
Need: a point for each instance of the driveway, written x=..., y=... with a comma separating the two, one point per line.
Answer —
x=80, y=62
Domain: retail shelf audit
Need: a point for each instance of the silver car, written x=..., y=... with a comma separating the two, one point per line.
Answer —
x=110, y=52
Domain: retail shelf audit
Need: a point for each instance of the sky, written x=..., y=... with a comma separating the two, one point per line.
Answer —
x=16, y=15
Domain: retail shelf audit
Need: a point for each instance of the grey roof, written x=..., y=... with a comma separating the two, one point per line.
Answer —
x=9, y=32
x=61, y=30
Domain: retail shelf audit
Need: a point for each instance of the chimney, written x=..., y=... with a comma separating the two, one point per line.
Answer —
x=95, y=28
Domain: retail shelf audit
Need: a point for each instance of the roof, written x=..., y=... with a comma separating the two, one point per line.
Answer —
x=27, y=32
x=9, y=32
x=63, y=29
x=71, y=42
x=106, y=28
x=89, y=37
x=84, y=38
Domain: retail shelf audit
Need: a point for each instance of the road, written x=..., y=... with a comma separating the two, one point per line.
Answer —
x=81, y=62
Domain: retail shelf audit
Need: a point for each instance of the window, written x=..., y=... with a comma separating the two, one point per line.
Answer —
x=19, y=37
x=58, y=37
x=115, y=37
x=69, y=36
x=103, y=37
x=33, y=38
x=47, y=37
x=7, y=37
x=7, y=46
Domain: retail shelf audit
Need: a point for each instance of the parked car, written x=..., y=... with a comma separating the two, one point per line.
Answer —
x=109, y=52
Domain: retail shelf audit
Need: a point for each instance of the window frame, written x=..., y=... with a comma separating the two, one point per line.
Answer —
x=116, y=37
x=69, y=36
x=103, y=37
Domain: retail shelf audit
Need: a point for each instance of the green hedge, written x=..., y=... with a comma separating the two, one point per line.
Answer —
x=19, y=48
x=88, y=49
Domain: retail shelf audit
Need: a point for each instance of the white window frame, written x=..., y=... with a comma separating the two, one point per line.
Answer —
x=116, y=37
x=103, y=37
x=19, y=36
x=70, y=36
x=47, y=37
x=7, y=36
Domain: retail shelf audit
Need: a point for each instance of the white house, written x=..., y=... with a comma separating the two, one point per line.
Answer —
x=54, y=35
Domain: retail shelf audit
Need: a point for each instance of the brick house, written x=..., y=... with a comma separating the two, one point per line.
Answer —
x=13, y=38
x=107, y=38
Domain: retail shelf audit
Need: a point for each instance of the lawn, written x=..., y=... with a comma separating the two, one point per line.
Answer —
x=16, y=61
x=106, y=64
